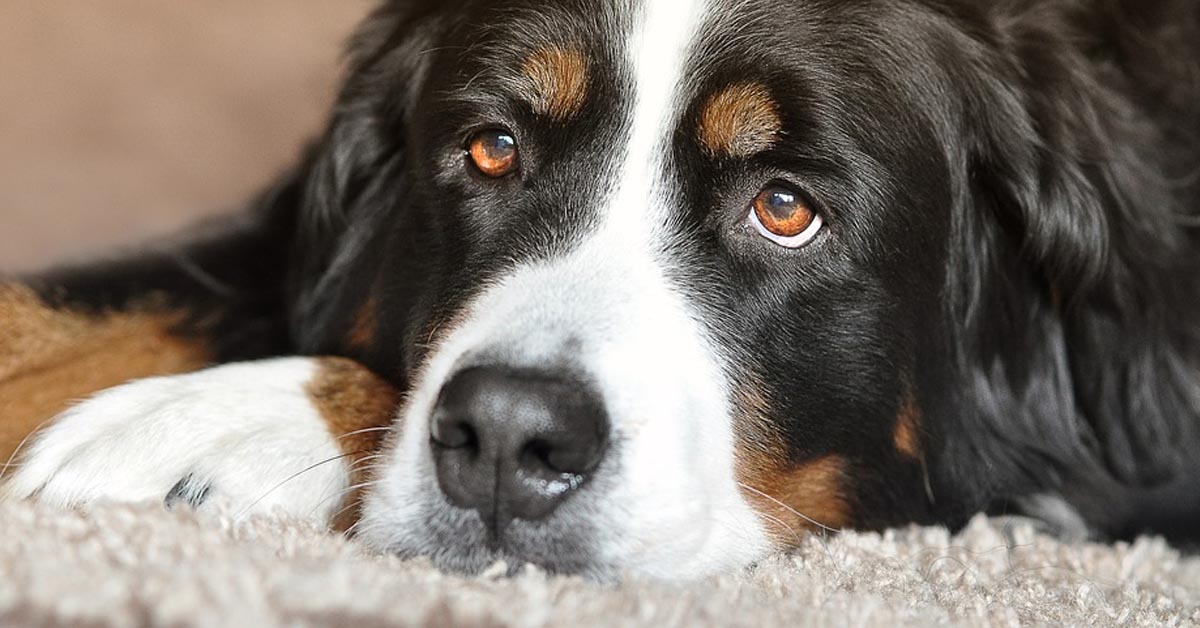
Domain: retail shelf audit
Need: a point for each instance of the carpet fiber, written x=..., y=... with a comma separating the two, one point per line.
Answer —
x=127, y=566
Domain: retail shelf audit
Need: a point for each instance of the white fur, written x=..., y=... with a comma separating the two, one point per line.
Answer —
x=672, y=506
x=247, y=430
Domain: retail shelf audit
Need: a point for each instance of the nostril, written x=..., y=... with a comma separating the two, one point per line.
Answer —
x=572, y=457
x=536, y=455
x=452, y=434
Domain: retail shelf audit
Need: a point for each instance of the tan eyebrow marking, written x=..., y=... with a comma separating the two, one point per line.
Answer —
x=740, y=120
x=556, y=81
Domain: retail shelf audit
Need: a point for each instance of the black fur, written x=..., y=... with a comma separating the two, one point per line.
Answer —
x=1013, y=190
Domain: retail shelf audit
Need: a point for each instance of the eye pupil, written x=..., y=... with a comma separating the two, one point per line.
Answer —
x=783, y=203
x=502, y=143
x=494, y=153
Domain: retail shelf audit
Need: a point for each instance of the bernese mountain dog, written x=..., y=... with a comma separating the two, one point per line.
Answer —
x=661, y=286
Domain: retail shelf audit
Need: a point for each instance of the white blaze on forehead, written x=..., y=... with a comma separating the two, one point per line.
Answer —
x=658, y=54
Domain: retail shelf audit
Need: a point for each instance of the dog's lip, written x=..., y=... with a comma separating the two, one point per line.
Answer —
x=477, y=555
x=488, y=562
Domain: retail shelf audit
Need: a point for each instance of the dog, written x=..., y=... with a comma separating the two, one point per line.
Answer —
x=660, y=287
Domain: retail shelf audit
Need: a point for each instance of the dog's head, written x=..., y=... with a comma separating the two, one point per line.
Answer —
x=670, y=283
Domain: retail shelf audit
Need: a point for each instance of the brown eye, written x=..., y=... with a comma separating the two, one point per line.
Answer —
x=784, y=217
x=494, y=153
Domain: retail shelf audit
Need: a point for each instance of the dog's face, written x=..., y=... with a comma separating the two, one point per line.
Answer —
x=664, y=279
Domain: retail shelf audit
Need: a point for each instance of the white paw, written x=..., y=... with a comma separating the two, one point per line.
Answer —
x=246, y=438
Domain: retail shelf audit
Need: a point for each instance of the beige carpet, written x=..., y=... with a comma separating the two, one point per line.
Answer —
x=125, y=566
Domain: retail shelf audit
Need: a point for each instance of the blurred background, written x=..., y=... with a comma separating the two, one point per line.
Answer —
x=125, y=119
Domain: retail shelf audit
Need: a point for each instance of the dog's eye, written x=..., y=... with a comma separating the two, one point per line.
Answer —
x=494, y=153
x=784, y=217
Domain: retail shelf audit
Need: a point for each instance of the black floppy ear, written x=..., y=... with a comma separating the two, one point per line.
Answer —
x=358, y=165
x=1073, y=259
x=1072, y=167
x=1044, y=155
x=368, y=125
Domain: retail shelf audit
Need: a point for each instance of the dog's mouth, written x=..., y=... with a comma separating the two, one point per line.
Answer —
x=459, y=541
x=469, y=542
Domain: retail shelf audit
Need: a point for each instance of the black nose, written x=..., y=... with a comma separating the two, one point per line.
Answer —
x=515, y=443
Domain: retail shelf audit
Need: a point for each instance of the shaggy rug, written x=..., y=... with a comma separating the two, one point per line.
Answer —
x=133, y=566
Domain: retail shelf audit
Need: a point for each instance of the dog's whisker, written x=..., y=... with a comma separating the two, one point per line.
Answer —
x=370, y=458
x=793, y=532
x=311, y=467
x=349, y=533
x=339, y=495
x=365, y=465
x=821, y=536
x=368, y=430
x=354, y=503
x=12, y=458
x=823, y=527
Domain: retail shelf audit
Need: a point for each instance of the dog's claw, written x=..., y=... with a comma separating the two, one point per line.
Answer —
x=188, y=492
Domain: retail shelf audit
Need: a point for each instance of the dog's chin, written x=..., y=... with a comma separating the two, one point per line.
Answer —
x=574, y=542
x=457, y=541
x=607, y=531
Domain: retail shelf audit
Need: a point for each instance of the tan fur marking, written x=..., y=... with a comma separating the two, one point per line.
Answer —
x=353, y=399
x=362, y=331
x=740, y=121
x=52, y=358
x=806, y=497
x=556, y=81
x=906, y=435
x=792, y=499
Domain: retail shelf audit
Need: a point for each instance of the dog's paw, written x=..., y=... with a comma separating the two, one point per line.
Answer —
x=245, y=438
